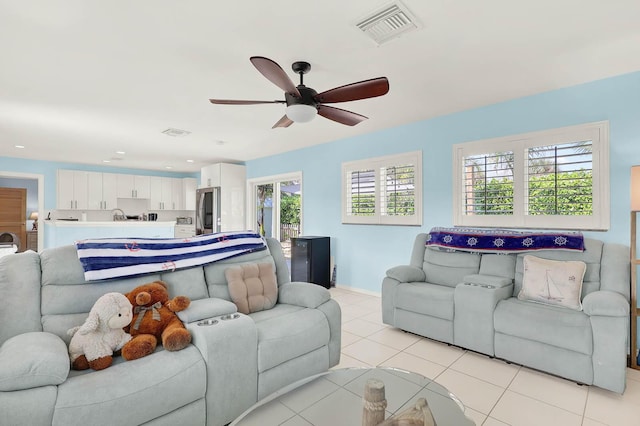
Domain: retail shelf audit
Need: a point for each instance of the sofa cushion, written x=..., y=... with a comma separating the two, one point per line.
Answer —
x=592, y=256
x=449, y=268
x=132, y=392
x=252, y=287
x=214, y=272
x=427, y=299
x=552, y=282
x=287, y=332
x=488, y=280
x=31, y=360
x=206, y=308
x=20, y=294
x=552, y=325
x=406, y=273
x=499, y=265
x=303, y=294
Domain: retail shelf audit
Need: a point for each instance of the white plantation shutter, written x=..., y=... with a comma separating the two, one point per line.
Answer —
x=361, y=190
x=487, y=177
x=398, y=190
x=384, y=190
x=553, y=179
x=559, y=179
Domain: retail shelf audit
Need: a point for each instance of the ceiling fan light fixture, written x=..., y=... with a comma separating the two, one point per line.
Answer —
x=301, y=113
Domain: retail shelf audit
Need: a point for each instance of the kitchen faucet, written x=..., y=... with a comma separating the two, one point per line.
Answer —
x=117, y=216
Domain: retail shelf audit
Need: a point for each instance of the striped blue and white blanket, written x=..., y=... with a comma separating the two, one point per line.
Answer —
x=105, y=258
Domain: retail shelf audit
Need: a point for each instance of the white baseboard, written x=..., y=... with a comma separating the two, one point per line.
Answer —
x=359, y=290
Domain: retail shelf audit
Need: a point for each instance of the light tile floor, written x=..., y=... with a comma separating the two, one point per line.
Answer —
x=494, y=392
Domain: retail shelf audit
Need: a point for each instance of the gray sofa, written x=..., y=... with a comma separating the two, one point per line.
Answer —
x=470, y=300
x=228, y=367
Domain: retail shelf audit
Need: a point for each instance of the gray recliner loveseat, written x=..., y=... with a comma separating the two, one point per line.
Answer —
x=470, y=300
x=228, y=367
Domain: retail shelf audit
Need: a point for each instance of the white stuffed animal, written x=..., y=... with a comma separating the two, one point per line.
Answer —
x=92, y=344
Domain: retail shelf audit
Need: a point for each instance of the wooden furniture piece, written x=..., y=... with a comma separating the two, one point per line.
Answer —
x=32, y=240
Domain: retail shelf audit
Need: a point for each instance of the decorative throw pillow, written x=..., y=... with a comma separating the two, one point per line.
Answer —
x=553, y=282
x=252, y=286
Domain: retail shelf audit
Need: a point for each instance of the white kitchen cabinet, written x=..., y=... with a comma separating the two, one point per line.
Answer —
x=178, y=194
x=189, y=186
x=133, y=186
x=162, y=193
x=210, y=176
x=184, y=231
x=155, y=193
x=109, y=191
x=231, y=178
x=72, y=189
x=101, y=191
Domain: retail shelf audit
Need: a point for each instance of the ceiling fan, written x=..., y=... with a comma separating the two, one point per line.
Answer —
x=303, y=103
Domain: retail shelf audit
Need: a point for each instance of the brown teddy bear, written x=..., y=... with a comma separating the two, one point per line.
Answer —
x=154, y=321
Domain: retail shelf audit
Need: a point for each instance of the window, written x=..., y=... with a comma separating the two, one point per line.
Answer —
x=384, y=190
x=551, y=179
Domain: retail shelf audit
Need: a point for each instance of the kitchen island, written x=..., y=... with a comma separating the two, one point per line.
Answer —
x=62, y=232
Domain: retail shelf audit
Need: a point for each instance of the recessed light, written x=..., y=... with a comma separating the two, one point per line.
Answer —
x=168, y=167
x=120, y=152
x=106, y=161
x=219, y=142
x=175, y=132
x=20, y=146
x=189, y=161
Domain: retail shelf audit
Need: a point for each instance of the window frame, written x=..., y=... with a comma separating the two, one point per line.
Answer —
x=597, y=132
x=378, y=163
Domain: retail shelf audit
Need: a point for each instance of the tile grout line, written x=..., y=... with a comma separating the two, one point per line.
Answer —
x=450, y=366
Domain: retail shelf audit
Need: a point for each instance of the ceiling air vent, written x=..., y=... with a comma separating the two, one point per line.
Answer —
x=388, y=22
x=176, y=132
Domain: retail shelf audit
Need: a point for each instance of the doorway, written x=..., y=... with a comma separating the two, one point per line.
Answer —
x=35, y=203
x=276, y=208
x=13, y=216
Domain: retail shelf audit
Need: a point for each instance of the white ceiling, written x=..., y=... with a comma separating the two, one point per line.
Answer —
x=82, y=79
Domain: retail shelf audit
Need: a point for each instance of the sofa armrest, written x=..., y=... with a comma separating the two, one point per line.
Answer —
x=31, y=360
x=206, y=308
x=303, y=294
x=487, y=281
x=406, y=274
x=605, y=303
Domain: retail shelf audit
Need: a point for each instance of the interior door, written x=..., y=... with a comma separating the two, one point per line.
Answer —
x=13, y=213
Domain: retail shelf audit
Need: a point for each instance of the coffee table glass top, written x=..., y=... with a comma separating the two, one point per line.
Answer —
x=335, y=398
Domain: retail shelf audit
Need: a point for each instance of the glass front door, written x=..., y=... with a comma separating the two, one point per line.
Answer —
x=278, y=208
x=289, y=213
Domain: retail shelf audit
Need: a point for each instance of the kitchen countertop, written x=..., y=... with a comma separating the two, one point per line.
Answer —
x=119, y=223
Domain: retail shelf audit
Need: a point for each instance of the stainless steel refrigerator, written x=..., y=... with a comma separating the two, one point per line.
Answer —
x=207, y=210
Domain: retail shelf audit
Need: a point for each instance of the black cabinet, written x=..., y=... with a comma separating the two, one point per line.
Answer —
x=310, y=260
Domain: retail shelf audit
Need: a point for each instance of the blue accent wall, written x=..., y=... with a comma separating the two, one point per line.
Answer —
x=364, y=252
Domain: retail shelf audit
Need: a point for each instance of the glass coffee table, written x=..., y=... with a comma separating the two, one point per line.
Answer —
x=335, y=398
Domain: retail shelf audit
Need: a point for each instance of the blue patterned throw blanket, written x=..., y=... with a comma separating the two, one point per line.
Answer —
x=502, y=241
x=105, y=258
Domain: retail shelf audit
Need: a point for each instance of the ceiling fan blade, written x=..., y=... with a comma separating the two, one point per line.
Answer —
x=236, y=102
x=275, y=74
x=355, y=91
x=283, y=122
x=340, y=115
